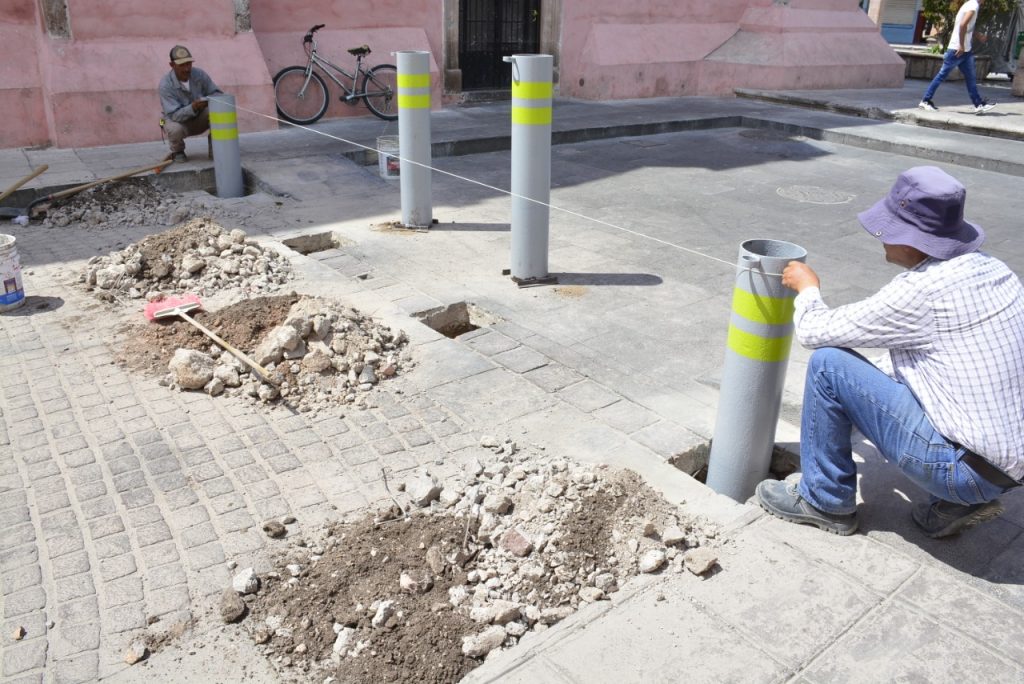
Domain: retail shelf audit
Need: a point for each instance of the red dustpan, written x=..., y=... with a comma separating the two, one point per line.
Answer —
x=180, y=307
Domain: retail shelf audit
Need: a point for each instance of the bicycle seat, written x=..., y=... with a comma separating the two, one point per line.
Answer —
x=359, y=51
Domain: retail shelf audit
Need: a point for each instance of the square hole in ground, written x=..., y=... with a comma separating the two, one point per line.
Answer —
x=456, y=319
x=694, y=462
x=316, y=242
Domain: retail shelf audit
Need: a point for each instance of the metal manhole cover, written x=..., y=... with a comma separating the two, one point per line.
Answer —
x=812, y=194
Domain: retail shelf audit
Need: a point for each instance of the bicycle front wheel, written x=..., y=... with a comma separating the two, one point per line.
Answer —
x=300, y=100
x=381, y=87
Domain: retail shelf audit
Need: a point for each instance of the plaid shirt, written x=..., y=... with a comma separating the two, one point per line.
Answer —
x=955, y=334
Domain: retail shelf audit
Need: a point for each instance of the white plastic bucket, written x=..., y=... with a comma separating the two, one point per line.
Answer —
x=387, y=156
x=12, y=293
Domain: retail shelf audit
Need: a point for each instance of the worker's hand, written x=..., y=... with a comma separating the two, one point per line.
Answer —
x=960, y=52
x=798, y=276
x=199, y=105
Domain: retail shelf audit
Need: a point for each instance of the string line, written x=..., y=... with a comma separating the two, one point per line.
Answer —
x=506, y=192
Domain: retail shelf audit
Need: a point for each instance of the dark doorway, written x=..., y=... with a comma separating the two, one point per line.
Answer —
x=490, y=30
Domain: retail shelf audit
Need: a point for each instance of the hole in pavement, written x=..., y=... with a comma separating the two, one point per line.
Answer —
x=694, y=462
x=316, y=242
x=456, y=319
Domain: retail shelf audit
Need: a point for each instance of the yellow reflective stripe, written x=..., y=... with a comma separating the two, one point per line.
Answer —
x=414, y=102
x=768, y=349
x=224, y=117
x=413, y=80
x=224, y=133
x=531, y=116
x=762, y=309
x=532, y=90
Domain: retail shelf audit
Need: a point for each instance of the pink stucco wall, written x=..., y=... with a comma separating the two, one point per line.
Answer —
x=22, y=109
x=649, y=48
x=98, y=86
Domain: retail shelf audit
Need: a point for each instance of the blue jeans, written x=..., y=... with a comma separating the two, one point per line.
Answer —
x=845, y=390
x=949, y=62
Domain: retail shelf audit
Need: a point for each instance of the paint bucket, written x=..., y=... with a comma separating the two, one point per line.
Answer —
x=12, y=293
x=387, y=156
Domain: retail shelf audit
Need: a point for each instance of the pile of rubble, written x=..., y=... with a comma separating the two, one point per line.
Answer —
x=457, y=569
x=136, y=202
x=199, y=256
x=321, y=355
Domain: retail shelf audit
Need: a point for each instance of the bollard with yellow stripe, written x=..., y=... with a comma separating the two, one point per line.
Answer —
x=227, y=157
x=414, y=137
x=532, y=92
x=757, y=353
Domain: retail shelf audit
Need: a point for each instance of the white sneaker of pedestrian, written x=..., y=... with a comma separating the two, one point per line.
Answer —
x=984, y=107
x=927, y=105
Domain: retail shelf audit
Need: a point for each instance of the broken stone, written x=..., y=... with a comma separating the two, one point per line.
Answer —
x=591, y=594
x=136, y=652
x=423, y=489
x=435, y=560
x=274, y=529
x=232, y=607
x=341, y=642
x=316, y=362
x=481, y=644
x=550, y=616
x=497, y=503
x=246, y=582
x=19, y=633
x=516, y=543
x=412, y=586
x=652, y=561
x=385, y=611
x=672, y=536
x=700, y=560
x=191, y=369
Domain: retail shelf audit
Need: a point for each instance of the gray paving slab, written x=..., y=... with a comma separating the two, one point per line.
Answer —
x=122, y=502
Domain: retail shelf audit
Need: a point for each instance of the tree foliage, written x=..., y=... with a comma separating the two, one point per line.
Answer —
x=942, y=14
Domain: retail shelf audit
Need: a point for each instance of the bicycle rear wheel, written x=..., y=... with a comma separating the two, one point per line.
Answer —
x=381, y=87
x=297, y=100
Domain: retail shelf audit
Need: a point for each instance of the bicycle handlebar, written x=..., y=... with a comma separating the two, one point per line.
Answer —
x=308, y=38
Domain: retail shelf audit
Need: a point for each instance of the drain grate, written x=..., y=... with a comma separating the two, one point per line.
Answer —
x=317, y=242
x=457, y=319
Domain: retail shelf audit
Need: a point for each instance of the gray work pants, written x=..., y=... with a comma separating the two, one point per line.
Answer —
x=177, y=132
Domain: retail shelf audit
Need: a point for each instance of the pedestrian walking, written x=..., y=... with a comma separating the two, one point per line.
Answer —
x=960, y=55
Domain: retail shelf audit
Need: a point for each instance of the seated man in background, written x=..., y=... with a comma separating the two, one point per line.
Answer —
x=183, y=97
x=947, y=406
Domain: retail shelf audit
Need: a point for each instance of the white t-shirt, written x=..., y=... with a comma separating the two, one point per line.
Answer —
x=954, y=40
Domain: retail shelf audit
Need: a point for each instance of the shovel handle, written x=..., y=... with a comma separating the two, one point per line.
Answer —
x=9, y=191
x=260, y=370
x=126, y=174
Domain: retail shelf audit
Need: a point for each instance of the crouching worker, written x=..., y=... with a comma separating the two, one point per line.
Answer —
x=947, y=404
x=183, y=97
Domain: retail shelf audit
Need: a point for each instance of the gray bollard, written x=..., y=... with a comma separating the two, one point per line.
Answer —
x=414, y=137
x=227, y=158
x=760, y=336
x=531, y=166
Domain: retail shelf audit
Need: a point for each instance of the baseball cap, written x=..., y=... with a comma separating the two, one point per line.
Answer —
x=924, y=210
x=180, y=54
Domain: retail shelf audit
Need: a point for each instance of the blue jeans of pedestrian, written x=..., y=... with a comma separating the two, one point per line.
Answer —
x=950, y=61
x=844, y=390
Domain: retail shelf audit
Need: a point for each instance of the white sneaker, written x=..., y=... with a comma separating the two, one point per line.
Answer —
x=927, y=105
x=984, y=107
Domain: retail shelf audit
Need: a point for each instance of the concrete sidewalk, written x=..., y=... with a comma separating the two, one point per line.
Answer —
x=122, y=502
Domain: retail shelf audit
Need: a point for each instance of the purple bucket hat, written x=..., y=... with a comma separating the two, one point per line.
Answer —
x=924, y=210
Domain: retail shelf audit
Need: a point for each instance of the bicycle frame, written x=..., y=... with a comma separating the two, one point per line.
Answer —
x=316, y=60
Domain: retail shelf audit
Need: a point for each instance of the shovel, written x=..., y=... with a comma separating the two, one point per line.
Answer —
x=180, y=308
x=11, y=212
x=9, y=191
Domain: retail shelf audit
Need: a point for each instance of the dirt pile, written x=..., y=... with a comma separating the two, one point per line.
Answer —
x=454, y=570
x=199, y=256
x=318, y=354
x=131, y=202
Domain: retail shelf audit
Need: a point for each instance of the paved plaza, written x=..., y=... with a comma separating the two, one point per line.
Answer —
x=123, y=502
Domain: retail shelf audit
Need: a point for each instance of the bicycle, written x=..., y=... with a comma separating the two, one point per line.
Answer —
x=301, y=93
